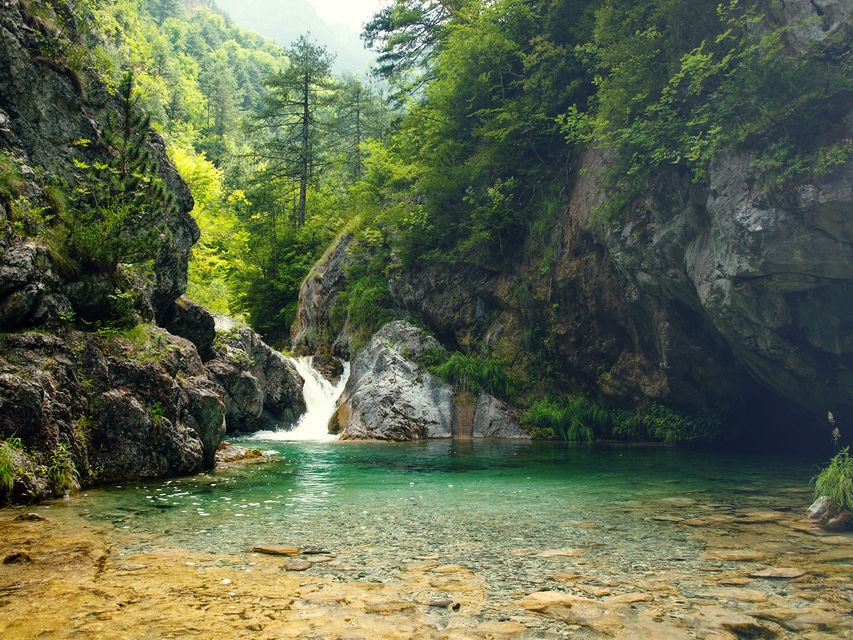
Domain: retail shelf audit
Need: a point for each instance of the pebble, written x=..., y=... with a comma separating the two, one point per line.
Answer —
x=278, y=550
x=294, y=564
x=631, y=598
x=737, y=593
x=443, y=603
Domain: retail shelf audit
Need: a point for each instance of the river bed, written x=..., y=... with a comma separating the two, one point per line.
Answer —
x=466, y=539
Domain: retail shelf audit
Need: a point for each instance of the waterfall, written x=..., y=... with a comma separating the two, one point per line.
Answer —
x=321, y=398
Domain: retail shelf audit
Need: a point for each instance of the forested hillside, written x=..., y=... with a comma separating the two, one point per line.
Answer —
x=257, y=149
x=627, y=213
x=630, y=203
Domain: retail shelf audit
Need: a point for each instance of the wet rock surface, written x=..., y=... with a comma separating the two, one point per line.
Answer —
x=263, y=390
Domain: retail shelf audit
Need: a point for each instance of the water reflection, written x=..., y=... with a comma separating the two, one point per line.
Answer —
x=474, y=503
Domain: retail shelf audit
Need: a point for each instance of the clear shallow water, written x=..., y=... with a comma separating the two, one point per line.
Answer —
x=492, y=506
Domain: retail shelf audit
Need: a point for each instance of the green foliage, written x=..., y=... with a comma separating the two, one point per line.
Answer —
x=85, y=426
x=119, y=205
x=8, y=468
x=219, y=255
x=474, y=374
x=485, y=136
x=579, y=418
x=431, y=358
x=291, y=120
x=574, y=419
x=157, y=414
x=407, y=34
x=62, y=473
x=365, y=304
x=835, y=481
x=677, y=82
x=670, y=426
x=264, y=217
x=28, y=215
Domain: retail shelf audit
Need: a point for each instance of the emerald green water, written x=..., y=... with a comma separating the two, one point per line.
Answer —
x=490, y=505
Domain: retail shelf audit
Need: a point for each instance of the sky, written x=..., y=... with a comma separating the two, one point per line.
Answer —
x=335, y=24
x=350, y=13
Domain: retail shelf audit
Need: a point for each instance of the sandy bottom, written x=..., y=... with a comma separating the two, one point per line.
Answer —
x=768, y=575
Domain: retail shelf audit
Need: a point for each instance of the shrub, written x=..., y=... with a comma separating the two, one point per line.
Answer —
x=574, y=419
x=474, y=374
x=8, y=467
x=670, y=426
x=835, y=482
x=62, y=473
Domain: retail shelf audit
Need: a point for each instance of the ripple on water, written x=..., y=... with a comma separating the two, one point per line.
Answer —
x=640, y=524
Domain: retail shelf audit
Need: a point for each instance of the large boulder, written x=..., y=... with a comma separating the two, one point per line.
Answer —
x=121, y=406
x=263, y=389
x=494, y=418
x=190, y=320
x=388, y=396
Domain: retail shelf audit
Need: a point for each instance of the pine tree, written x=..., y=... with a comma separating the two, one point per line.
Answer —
x=291, y=116
x=120, y=202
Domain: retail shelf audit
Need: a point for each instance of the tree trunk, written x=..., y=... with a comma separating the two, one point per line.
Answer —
x=303, y=172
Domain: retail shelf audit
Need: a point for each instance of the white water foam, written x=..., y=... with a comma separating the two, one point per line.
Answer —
x=321, y=399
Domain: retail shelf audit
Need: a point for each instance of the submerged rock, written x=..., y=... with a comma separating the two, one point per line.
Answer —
x=388, y=396
x=296, y=564
x=227, y=452
x=779, y=573
x=278, y=550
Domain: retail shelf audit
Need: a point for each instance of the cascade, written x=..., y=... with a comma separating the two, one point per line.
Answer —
x=321, y=398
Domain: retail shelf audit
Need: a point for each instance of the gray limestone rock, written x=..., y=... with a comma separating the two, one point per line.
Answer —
x=312, y=331
x=263, y=390
x=388, y=396
x=494, y=418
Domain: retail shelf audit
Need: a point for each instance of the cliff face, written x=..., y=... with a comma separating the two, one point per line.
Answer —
x=769, y=270
x=705, y=294
x=709, y=297
x=46, y=109
x=80, y=406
